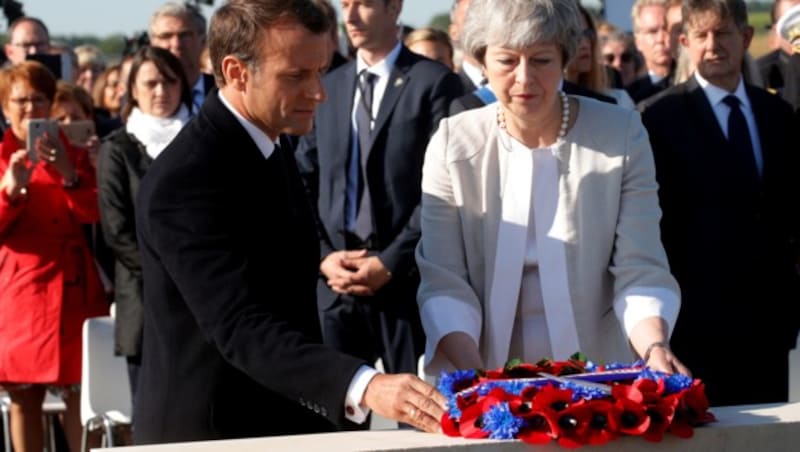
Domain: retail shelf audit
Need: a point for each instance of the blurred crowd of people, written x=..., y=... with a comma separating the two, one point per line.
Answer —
x=531, y=182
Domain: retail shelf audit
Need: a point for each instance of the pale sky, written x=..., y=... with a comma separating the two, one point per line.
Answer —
x=104, y=17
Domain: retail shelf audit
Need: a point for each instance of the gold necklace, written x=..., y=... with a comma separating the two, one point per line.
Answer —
x=562, y=131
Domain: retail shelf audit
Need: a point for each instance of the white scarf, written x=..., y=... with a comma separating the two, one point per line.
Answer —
x=156, y=133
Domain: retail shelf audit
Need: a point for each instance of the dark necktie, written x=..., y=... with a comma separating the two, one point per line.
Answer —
x=739, y=137
x=364, y=123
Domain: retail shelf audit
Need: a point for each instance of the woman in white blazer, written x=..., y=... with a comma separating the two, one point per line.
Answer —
x=540, y=214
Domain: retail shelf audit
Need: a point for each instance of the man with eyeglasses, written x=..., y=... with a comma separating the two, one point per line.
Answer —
x=181, y=29
x=26, y=36
x=652, y=38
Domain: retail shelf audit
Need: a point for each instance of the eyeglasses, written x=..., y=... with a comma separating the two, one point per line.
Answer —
x=40, y=46
x=625, y=58
x=182, y=35
x=36, y=101
x=589, y=33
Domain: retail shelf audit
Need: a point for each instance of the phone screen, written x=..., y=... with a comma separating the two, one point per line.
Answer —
x=51, y=62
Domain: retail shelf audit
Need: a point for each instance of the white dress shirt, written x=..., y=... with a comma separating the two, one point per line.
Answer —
x=358, y=385
x=715, y=96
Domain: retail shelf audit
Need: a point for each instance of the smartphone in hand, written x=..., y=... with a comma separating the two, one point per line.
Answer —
x=37, y=129
x=79, y=132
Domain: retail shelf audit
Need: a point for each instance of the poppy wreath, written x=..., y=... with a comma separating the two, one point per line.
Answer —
x=576, y=403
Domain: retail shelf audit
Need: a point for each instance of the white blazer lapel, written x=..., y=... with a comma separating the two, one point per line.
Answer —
x=550, y=222
x=516, y=171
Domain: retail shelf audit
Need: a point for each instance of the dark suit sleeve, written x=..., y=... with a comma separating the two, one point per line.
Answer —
x=398, y=257
x=116, y=205
x=185, y=213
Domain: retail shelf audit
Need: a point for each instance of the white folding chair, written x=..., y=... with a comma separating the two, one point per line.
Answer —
x=105, y=389
x=51, y=407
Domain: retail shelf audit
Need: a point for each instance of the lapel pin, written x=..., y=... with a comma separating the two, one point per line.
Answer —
x=398, y=82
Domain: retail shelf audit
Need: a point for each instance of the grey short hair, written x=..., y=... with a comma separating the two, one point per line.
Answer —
x=724, y=9
x=182, y=10
x=637, y=8
x=520, y=23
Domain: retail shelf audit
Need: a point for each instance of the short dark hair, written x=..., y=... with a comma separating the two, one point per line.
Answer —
x=32, y=20
x=166, y=63
x=70, y=92
x=734, y=9
x=237, y=26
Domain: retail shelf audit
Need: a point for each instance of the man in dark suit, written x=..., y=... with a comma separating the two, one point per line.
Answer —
x=364, y=177
x=231, y=337
x=727, y=191
x=469, y=70
x=780, y=69
x=651, y=34
x=181, y=29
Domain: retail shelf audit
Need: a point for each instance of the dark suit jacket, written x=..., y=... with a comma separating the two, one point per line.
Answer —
x=730, y=244
x=417, y=96
x=121, y=165
x=470, y=100
x=643, y=87
x=781, y=74
x=466, y=82
x=208, y=82
x=231, y=338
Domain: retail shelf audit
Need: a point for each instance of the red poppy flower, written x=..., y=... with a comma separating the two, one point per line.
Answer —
x=536, y=430
x=694, y=400
x=661, y=413
x=691, y=410
x=572, y=425
x=600, y=430
x=628, y=414
x=471, y=423
x=551, y=399
x=449, y=425
x=651, y=390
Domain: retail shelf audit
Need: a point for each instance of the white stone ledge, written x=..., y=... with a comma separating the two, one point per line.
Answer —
x=740, y=428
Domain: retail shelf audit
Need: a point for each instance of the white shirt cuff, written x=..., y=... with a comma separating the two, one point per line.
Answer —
x=639, y=303
x=355, y=394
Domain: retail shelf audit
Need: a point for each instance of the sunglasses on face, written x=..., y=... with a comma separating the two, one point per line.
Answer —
x=625, y=58
x=589, y=34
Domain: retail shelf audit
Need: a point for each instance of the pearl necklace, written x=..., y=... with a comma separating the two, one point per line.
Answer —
x=562, y=131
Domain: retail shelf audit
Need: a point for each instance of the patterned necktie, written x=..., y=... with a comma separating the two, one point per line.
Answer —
x=739, y=137
x=364, y=123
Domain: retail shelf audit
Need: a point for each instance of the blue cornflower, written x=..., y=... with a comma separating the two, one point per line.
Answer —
x=451, y=383
x=500, y=423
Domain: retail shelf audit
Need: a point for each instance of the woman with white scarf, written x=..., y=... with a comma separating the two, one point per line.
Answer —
x=159, y=106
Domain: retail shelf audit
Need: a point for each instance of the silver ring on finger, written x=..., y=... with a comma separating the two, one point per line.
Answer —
x=52, y=158
x=53, y=151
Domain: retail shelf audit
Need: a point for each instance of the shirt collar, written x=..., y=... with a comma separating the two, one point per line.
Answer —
x=262, y=141
x=715, y=94
x=382, y=68
x=655, y=78
x=474, y=73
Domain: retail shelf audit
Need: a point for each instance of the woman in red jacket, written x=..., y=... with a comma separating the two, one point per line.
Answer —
x=48, y=282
